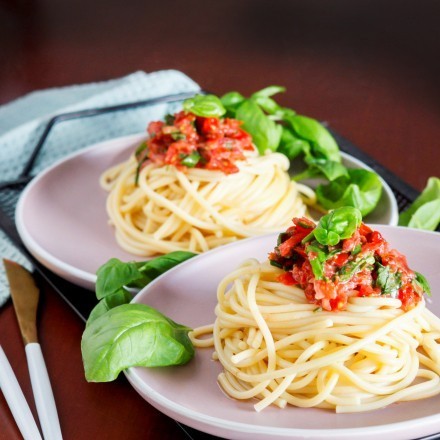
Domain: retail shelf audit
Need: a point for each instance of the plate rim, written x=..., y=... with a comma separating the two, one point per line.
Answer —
x=39, y=252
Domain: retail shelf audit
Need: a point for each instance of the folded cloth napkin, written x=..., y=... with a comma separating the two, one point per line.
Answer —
x=23, y=121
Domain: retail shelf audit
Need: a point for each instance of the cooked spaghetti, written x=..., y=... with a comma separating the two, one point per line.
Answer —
x=198, y=183
x=278, y=345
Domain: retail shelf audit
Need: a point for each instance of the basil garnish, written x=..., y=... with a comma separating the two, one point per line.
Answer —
x=388, y=281
x=119, y=335
x=208, y=106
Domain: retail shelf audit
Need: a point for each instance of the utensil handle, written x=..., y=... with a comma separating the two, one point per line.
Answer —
x=16, y=400
x=43, y=395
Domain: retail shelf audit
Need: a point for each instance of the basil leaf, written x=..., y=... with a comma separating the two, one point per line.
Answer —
x=427, y=216
x=429, y=194
x=115, y=274
x=132, y=335
x=157, y=266
x=266, y=134
x=142, y=147
x=423, y=283
x=267, y=104
x=322, y=142
x=122, y=296
x=388, y=281
x=169, y=119
x=361, y=189
x=317, y=268
x=291, y=145
x=231, y=101
x=268, y=91
x=276, y=264
x=356, y=249
x=264, y=100
x=328, y=168
x=317, y=262
x=191, y=160
x=177, y=136
x=353, y=267
x=208, y=106
x=337, y=225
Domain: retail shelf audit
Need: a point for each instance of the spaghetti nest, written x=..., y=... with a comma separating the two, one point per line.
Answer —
x=280, y=349
x=199, y=209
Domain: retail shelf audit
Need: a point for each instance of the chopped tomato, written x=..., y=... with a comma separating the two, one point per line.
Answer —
x=187, y=140
x=408, y=296
x=287, y=279
x=340, y=259
x=361, y=265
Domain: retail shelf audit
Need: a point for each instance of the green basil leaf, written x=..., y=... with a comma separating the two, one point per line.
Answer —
x=169, y=119
x=429, y=194
x=388, y=281
x=361, y=189
x=190, y=160
x=157, y=266
x=423, y=283
x=114, y=275
x=353, y=267
x=118, y=298
x=317, y=268
x=275, y=264
x=264, y=100
x=337, y=225
x=132, y=335
x=328, y=168
x=231, y=101
x=177, y=135
x=356, y=249
x=291, y=145
x=142, y=147
x=426, y=217
x=268, y=91
x=266, y=134
x=317, y=262
x=269, y=105
x=323, y=143
x=208, y=106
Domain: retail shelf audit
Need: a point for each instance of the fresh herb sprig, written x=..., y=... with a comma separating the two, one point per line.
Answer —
x=208, y=106
x=335, y=226
x=277, y=128
x=424, y=213
x=120, y=335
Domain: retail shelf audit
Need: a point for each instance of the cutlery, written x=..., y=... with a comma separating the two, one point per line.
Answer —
x=25, y=295
x=16, y=401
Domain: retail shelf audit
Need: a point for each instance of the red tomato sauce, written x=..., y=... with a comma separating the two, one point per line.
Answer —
x=362, y=265
x=187, y=141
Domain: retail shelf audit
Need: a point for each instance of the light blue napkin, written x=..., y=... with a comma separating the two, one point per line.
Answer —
x=23, y=121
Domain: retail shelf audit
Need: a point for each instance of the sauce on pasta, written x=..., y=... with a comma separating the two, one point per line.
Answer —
x=361, y=265
x=187, y=141
x=197, y=183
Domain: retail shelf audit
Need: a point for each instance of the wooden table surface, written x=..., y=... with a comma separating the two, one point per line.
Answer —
x=369, y=68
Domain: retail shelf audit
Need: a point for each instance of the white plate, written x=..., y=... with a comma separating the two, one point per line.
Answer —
x=191, y=395
x=62, y=219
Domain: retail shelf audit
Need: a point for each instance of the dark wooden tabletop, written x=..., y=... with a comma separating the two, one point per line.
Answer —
x=369, y=68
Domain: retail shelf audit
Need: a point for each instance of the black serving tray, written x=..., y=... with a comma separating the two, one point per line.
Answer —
x=82, y=301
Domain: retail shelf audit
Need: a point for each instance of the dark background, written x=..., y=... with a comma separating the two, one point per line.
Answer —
x=369, y=68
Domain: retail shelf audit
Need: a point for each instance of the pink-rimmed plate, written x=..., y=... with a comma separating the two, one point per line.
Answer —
x=190, y=393
x=62, y=219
